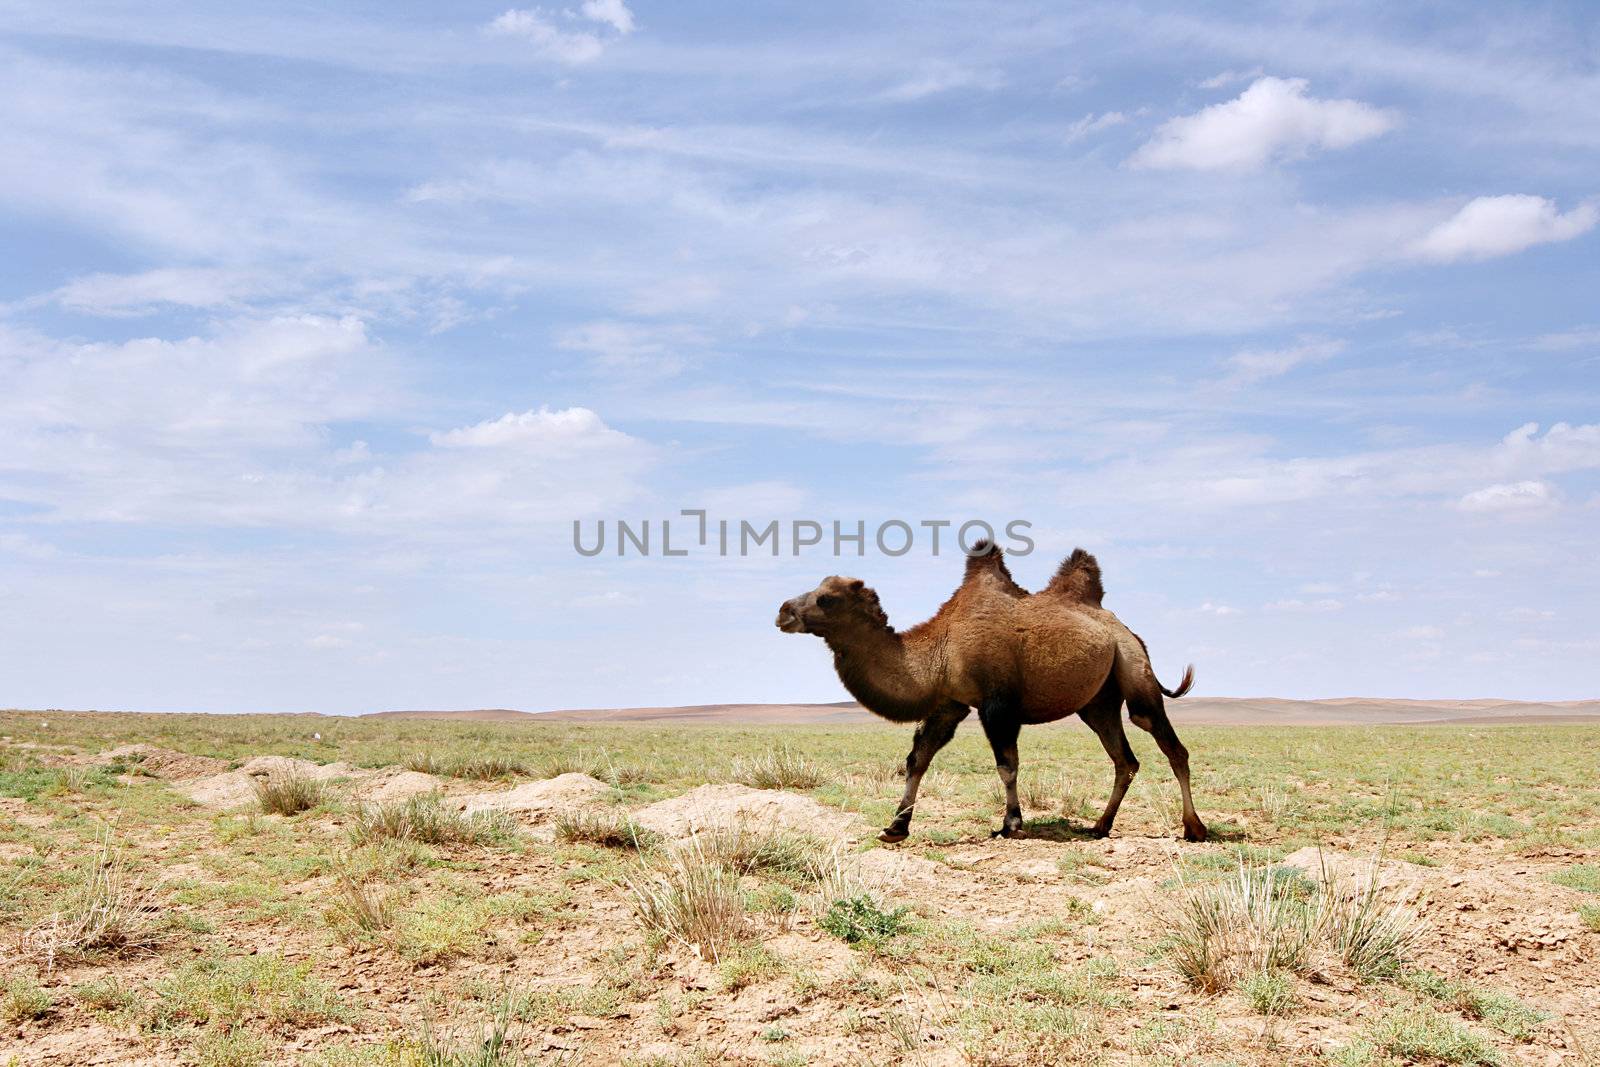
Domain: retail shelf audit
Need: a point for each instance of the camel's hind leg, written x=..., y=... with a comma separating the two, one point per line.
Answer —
x=1002, y=724
x=933, y=733
x=1148, y=713
x=1104, y=716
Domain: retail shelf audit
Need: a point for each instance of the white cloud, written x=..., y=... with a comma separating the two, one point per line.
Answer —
x=1563, y=447
x=1381, y=596
x=1492, y=226
x=613, y=13
x=1272, y=119
x=1255, y=366
x=1208, y=608
x=1421, y=633
x=1525, y=496
x=526, y=428
x=573, y=47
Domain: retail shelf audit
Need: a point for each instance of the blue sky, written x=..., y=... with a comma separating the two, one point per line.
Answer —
x=318, y=329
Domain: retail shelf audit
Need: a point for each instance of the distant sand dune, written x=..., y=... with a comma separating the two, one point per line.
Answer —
x=1207, y=711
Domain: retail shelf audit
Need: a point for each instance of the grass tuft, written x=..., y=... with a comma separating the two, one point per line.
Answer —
x=691, y=898
x=108, y=911
x=288, y=793
x=1265, y=919
x=778, y=768
x=608, y=829
x=426, y=818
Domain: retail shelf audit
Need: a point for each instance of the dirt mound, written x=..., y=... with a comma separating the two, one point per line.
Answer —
x=396, y=783
x=540, y=798
x=234, y=789
x=711, y=806
x=148, y=759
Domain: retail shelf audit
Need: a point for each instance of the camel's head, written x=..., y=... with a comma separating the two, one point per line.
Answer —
x=834, y=603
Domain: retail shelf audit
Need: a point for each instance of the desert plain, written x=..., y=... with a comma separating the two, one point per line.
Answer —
x=1385, y=883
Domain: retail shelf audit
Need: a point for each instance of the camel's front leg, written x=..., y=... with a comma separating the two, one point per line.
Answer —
x=1002, y=724
x=933, y=733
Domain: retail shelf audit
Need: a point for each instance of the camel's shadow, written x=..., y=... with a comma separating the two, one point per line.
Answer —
x=1056, y=829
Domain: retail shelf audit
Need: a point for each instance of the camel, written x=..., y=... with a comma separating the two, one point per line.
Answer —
x=1018, y=658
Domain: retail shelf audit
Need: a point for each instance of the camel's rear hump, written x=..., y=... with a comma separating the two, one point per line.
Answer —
x=1078, y=578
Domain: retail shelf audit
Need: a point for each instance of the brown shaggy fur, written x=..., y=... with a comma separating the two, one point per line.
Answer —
x=1017, y=658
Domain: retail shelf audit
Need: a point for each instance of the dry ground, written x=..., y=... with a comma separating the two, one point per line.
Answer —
x=225, y=936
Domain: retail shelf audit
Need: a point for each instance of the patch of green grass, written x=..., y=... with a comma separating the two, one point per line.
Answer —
x=1582, y=876
x=1500, y=1010
x=1420, y=1035
x=21, y=998
x=30, y=783
x=861, y=918
x=223, y=992
x=745, y=965
x=1590, y=915
x=229, y=1048
x=105, y=995
x=1270, y=992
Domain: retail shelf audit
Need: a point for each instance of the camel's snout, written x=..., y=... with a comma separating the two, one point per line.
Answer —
x=789, y=618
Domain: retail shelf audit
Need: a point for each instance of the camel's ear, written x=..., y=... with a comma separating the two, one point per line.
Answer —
x=856, y=585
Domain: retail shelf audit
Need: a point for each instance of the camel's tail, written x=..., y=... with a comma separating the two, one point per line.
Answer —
x=1183, y=686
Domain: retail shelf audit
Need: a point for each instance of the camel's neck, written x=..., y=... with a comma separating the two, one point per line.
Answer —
x=880, y=671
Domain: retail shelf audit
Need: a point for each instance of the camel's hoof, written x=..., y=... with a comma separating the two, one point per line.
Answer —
x=1196, y=834
x=1097, y=832
x=1008, y=832
x=889, y=837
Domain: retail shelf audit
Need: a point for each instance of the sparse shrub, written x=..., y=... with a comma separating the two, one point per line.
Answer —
x=691, y=898
x=778, y=768
x=230, y=1048
x=861, y=918
x=608, y=829
x=105, y=994
x=744, y=965
x=109, y=910
x=1590, y=915
x=288, y=793
x=1270, y=992
x=22, y=999
x=427, y=819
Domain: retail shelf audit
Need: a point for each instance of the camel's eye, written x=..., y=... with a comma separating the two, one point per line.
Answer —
x=826, y=601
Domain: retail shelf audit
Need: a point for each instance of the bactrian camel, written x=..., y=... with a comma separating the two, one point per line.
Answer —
x=1018, y=658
